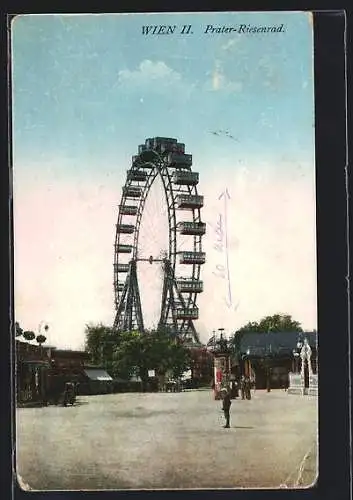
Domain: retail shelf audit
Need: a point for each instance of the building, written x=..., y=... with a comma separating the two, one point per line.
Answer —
x=95, y=380
x=270, y=356
x=32, y=367
x=201, y=366
x=42, y=370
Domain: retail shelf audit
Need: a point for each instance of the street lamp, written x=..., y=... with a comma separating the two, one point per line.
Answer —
x=268, y=354
x=220, y=344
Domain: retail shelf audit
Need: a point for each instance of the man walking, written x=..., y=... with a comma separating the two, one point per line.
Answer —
x=226, y=406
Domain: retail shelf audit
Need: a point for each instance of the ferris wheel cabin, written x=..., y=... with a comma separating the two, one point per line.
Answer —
x=189, y=285
x=192, y=257
x=125, y=228
x=187, y=313
x=123, y=248
x=132, y=191
x=169, y=148
x=191, y=228
x=128, y=209
x=185, y=178
x=162, y=145
x=136, y=175
x=121, y=285
x=178, y=160
x=121, y=268
x=189, y=201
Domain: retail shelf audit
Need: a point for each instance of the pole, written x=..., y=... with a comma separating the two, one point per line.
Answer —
x=268, y=384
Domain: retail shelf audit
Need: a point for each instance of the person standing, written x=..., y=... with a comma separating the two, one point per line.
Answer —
x=247, y=388
x=226, y=407
x=242, y=387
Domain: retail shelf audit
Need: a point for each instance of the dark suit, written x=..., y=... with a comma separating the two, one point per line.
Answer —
x=226, y=408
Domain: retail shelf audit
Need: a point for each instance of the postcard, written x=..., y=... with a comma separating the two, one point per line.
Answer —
x=164, y=251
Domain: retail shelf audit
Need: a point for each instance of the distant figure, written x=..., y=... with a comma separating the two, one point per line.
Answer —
x=247, y=388
x=242, y=387
x=234, y=390
x=69, y=394
x=226, y=407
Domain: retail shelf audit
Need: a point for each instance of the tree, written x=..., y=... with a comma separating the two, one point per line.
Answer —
x=168, y=354
x=28, y=335
x=128, y=355
x=124, y=354
x=100, y=343
x=251, y=326
x=150, y=350
x=275, y=323
x=41, y=339
x=180, y=359
x=18, y=330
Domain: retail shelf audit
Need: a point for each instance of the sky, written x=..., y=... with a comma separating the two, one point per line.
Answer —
x=88, y=89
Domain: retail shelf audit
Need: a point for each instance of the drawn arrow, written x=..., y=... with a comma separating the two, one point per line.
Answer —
x=225, y=194
x=229, y=305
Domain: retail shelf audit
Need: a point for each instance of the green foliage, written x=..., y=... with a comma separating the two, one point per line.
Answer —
x=41, y=339
x=128, y=355
x=100, y=343
x=18, y=330
x=153, y=350
x=275, y=323
x=180, y=360
x=131, y=353
x=28, y=335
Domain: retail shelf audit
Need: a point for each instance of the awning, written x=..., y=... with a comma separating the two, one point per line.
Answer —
x=35, y=363
x=97, y=374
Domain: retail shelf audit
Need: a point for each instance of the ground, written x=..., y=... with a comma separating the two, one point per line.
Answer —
x=168, y=440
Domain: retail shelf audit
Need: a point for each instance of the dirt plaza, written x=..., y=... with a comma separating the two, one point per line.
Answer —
x=168, y=441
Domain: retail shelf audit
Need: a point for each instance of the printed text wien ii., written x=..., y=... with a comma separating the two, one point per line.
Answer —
x=188, y=29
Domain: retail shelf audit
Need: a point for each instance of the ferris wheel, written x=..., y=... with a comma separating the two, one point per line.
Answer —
x=160, y=160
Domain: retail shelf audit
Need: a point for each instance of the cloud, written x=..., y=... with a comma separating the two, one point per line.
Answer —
x=152, y=75
x=220, y=82
x=147, y=71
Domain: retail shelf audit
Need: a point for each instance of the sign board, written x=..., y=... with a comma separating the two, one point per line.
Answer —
x=186, y=375
x=151, y=373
